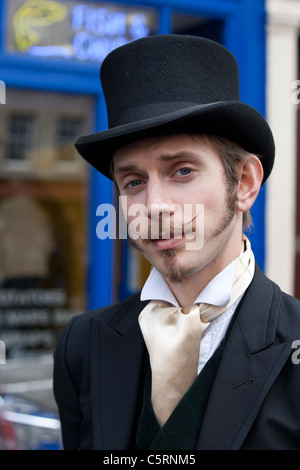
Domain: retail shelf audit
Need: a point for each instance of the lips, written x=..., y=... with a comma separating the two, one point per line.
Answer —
x=166, y=244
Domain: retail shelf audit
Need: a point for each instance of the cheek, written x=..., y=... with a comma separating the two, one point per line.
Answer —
x=214, y=205
x=208, y=197
x=130, y=209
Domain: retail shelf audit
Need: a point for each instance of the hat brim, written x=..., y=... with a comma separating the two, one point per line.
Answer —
x=232, y=120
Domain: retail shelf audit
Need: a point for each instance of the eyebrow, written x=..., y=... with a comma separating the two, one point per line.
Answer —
x=125, y=169
x=164, y=157
x=181, y=154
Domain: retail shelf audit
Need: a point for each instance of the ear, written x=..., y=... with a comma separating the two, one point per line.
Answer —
x=250, y=175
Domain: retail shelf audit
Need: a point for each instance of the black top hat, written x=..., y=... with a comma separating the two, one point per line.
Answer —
x=169, y=84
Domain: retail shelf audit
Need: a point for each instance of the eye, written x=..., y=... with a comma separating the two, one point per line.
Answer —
x=184, y=171
x=134, y=183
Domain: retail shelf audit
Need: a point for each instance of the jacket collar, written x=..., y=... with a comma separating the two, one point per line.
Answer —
x=259, y=323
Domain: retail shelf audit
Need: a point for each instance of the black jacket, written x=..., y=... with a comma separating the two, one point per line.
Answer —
x=101, y=358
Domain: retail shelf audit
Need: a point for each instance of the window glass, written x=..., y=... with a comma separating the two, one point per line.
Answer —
x=20, y=136
x=68, y=127
x=43, y=189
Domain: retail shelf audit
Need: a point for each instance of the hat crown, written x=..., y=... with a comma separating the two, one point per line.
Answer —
x=156, y=75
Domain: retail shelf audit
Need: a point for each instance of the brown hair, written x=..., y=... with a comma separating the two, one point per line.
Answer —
x=231, y=154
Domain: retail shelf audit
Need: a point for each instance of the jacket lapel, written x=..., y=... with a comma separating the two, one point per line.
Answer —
x=249, y=366
x=118, y=358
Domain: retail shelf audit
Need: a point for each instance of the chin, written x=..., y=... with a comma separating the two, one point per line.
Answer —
x=177, y=270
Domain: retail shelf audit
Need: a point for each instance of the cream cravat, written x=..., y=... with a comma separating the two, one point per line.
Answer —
x=172, y=336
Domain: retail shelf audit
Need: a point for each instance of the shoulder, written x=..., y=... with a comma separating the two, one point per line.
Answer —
x=279, y=309
x=72, y=352
x=287, y=310
x=79, y=324
x=289, y=318
x=290, y=303
x=74, y=338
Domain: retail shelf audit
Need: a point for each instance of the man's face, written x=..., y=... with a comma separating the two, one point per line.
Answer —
x=166, y=175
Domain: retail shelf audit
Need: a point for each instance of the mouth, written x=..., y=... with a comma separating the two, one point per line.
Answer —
x=166, y=243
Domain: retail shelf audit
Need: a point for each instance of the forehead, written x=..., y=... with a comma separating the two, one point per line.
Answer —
x=160, y=148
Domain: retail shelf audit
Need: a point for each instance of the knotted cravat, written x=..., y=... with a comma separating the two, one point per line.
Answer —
x=172, y=336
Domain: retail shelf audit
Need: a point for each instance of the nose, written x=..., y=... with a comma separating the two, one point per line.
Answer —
x=160, y=209
x=158, y=199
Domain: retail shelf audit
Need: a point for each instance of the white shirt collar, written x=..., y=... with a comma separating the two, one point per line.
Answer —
x=217, y=292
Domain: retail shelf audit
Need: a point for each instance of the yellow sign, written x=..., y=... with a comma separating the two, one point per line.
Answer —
x=75, y=29
x=35, y=13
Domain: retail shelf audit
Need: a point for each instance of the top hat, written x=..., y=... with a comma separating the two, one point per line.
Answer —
x=170, y=84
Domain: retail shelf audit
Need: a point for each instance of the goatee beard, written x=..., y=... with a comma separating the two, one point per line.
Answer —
x=171, y=269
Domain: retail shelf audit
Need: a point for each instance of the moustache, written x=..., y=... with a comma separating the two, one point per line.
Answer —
x=162, y=227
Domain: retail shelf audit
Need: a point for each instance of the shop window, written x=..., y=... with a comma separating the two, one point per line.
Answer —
x=68, y=129
x=42, y=220
x=20, y=137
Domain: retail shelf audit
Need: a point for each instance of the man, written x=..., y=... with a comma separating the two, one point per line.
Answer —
x=205, y=357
